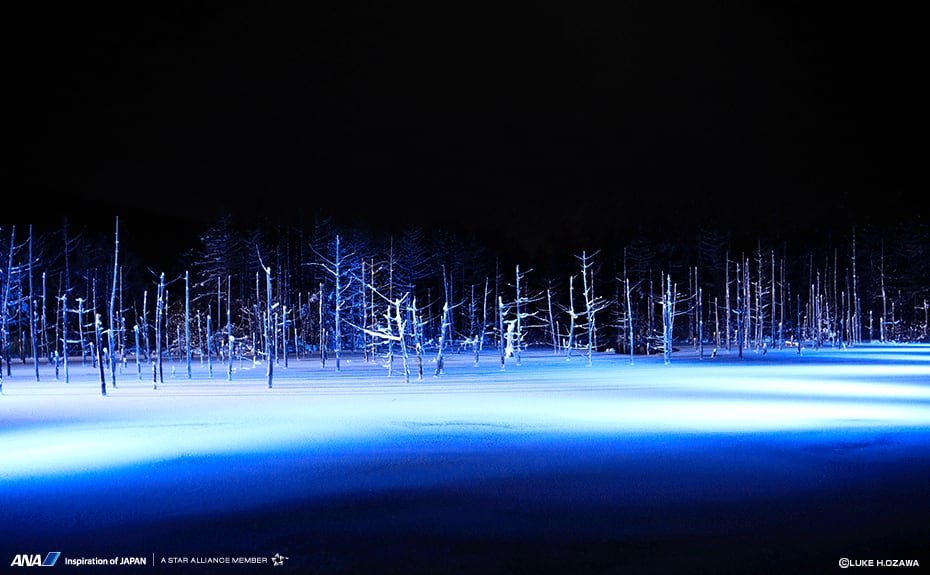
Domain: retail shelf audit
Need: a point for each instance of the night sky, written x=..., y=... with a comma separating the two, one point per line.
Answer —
x=545, y=125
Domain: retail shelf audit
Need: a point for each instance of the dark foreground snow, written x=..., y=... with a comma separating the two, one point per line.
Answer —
x=776, y=463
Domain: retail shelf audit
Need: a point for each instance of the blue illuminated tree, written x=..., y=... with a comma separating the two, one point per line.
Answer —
x=269, y=324
x=113, y=329
x=593, y=304
x=340, y=268
x=8, y=299
x=158, y=375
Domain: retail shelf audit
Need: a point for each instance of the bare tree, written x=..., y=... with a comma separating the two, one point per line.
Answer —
x=339, y=269
x=6, y=295
x=698, y=295
x=30, y=309
x=670, y=301
x=322, y=334
x=501, y=311
x=100, y=362
x=401, y=326
x=187, y=322
x=81, y=336
x=416, y=321
x=111, y=335
x=572, y=316
x=269, y=324
x=480, y=334
x=445, y=326
x=593, y=304
x=441, y=344
x=521, y=302
x=728, y=311
x=553, y=330
x=884, y=295
x=135, y=329
x=158, y=375
x=229, y=333
x=64, y=335
x=367, y=308
x=8, y=299
x=738, y=311
x=629, y=316
x=626, y=325
x=394, y=316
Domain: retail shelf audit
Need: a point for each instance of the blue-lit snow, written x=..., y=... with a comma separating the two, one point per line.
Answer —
x=775, y=457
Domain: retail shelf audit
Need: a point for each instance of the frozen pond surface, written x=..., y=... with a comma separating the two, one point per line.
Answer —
x=772, y=463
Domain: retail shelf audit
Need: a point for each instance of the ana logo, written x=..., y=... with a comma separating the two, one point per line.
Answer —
x=35, y=560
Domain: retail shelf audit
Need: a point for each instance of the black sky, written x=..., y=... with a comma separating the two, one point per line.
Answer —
x=547, y=123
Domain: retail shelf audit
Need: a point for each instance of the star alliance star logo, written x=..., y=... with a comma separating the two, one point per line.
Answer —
x=278, y=560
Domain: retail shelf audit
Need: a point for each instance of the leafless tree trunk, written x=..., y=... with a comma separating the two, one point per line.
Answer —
x=44, y=320
x=747, y=305
x=4, y=313
x=111, y=335
x=135, y=330
x=337, y=268
x=854, y=299
x=669, y=303
x=394, y=316
x=417, y=332
x=30, y=309
x=366, y=346
x=552, y=332
x=443, y=330
x=518, y=325
x=783, y=300
x=629, y=317
x=800, y=338
x=103, y=379
x=818, y=313
x=593, y=305
x=269, y=325
x=500, y=326
x=322, y=332
x=668, y=315
x=187, y=322
x=699, y=305
x=572, y=316
x=926, y=325
x=738, y=311
x=402, y=340
x=158, y=375
x=284, y=340
x=484, y=315
x=373, y=313
x=64, y=336
x=728, y=312
x=772, y=298
x=144, y=326
x=81, y=336
x=881, y=272
x=208, y=351
x=337, y=335
x=229, y=333
x=5, y=301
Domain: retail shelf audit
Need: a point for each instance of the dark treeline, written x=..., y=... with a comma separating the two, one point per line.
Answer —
x=324, y=288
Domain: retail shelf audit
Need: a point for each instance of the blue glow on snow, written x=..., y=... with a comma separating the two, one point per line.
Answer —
x=552, y=453
x=54, y=428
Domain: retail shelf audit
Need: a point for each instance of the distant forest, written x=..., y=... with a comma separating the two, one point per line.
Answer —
x=327, y=288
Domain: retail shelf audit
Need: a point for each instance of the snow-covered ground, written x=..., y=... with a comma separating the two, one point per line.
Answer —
x=773, y=463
